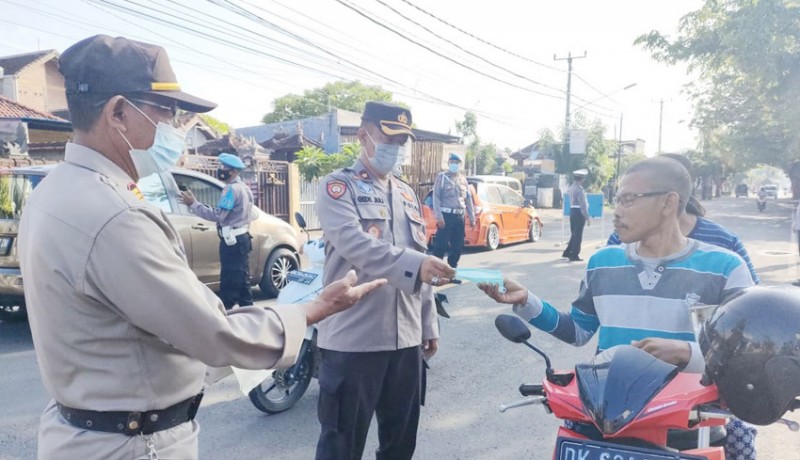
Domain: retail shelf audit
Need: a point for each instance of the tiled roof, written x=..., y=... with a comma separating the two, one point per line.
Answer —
x=11, y=109
x=13, y=64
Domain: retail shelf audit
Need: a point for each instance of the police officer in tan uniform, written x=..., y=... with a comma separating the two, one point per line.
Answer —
x=123, y=330
x=372, y=354
x=451, y=200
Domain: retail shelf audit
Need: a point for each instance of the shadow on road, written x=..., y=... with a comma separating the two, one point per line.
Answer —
x=15, y=337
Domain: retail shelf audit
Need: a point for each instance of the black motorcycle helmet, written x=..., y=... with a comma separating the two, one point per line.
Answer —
x=751, y=346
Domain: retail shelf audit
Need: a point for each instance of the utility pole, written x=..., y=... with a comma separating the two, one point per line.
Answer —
x=660, y=123
x=569, y=59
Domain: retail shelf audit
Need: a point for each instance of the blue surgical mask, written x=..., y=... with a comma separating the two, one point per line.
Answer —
x=453, y=167
x=387, y=157
x=167, y=147
x=481, y=275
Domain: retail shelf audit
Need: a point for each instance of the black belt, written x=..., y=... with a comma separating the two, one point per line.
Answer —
x=133, y=423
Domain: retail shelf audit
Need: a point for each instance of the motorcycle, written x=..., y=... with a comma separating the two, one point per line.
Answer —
x=626, y=405
x=761, y=203
x=281, y=390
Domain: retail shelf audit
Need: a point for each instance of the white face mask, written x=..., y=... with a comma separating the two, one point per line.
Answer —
x=165, y=152
x=387, y=157
x=453, y=167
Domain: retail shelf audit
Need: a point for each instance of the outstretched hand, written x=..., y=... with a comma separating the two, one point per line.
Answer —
x=515, y=292
x=338, y=296
x=187, y=197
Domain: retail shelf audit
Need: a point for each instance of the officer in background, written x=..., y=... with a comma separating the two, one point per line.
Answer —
x=233, y=215
x=578, y=215
x=123, y=329
x=372, y=354
x=451, y=198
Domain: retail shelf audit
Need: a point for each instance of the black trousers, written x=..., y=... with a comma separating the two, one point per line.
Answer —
x=353, y=387
x=450, y=239
x=234, y=279
x=576, y=224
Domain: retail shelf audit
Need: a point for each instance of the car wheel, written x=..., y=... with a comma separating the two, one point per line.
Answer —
x=276, y=271
x=535, y=231
x=493, y=237
x=12, y=313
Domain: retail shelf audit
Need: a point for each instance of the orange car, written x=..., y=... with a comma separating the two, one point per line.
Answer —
x=503, y=216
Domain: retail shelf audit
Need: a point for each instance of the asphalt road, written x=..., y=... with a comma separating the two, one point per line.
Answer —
x=474, y=371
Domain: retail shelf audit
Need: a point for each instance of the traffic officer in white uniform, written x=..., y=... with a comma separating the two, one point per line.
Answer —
x=372, y=354
x=451, y=200
x=122, y=327
x=233, y=215
x=578, y=216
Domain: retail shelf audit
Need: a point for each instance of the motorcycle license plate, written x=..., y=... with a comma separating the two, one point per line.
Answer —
x=301, y=277
x=585, y=449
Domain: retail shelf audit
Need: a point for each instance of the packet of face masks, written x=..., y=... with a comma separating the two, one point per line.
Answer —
x=481, y=275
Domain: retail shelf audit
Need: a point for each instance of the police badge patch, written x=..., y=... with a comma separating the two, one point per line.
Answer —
x=336, y=189
x=374, y=231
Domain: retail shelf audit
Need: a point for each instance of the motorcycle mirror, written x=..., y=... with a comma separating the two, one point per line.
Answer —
x=512, y=328
x=301, y=221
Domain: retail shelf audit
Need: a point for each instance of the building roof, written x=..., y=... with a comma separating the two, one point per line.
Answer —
x=15, y=110
x=14, y=64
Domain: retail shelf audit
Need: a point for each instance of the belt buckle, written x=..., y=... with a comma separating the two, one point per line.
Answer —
x=134, y=424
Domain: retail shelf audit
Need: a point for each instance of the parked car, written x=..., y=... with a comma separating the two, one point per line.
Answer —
x=275, y=242
x=741, y=190
x=503, y=216
x=511, y=182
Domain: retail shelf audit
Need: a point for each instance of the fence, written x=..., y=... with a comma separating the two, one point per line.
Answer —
x=308, y=200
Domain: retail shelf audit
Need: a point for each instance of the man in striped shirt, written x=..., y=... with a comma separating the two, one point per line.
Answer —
x=641, y=291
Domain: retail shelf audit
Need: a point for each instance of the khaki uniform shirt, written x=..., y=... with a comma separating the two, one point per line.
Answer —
x=376, y=230
x=119, y=320
x=235, y=207
x=452, y=191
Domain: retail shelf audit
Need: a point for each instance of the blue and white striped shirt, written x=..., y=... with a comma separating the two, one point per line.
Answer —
x=625, y=300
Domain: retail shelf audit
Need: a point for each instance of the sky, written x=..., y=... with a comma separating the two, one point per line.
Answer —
x=440, y=57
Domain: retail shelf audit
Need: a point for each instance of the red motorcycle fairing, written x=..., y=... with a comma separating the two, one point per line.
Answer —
x=651, y=415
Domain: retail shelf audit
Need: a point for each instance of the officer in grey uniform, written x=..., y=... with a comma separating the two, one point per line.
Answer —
x=372, y=354
x=123, y=329
x=233, y=215
x=451, y=199
x=578, y=216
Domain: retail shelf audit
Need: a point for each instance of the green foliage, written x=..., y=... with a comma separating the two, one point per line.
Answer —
x=486, y=158
x=313, y=162
x=468, y=127
x=508, y=168
x=219, y=126
x=600, y=153
x=747, y=97
x=345, y=95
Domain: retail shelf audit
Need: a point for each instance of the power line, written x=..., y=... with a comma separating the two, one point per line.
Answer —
x=448, y=58
x=482, y=40
x=466, y=50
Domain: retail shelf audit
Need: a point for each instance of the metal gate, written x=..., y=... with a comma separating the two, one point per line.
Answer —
x=308, y=203
x=267, y=179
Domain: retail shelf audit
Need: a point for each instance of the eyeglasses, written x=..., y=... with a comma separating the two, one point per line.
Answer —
x=626, y=200
x=172, y=108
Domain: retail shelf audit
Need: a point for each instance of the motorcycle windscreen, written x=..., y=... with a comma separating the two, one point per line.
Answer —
x=619, y=383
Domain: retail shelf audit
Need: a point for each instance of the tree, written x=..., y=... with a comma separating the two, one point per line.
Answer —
x=468, y=130
x=219, y=126
x=747, y=56
x=600, y=154
x=313, y=162
x=345, y=95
